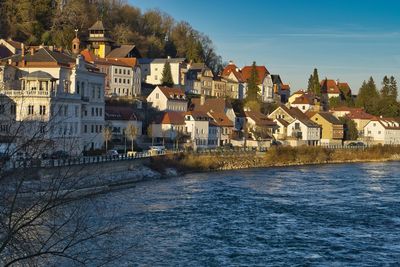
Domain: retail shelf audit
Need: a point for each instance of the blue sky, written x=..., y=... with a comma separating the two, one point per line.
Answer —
x=348, y=40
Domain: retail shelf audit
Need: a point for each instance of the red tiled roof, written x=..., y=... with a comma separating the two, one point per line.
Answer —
x=303, y=100
x=285, y=87
x=329, y=87
x=221, y=119
x=260, y=119
x=173, y=93
x=210, y=104
x=261, y=71
x=232, y=68
x=88, y=55
x=175, y=118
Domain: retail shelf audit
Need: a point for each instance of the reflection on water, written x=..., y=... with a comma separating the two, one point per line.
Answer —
x=341, y=215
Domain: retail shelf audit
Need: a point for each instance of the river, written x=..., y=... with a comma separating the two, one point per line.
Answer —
x=327, y=215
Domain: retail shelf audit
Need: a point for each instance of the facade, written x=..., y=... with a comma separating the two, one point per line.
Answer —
x=170, y=126
x=201, y=133
x=332, y=131
x=358, y=115
x=65, y=93
x=302, y=130
x=199, y=79
x=224, y=125
x=298, y=127
x=122, y=75
x=168, y=99
x=219, y=87
x=383, y=131
x=120, y=119
x=152, y=70
x=260, y=127
x=266, y=84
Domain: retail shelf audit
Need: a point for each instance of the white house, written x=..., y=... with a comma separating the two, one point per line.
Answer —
x=382, y=131
x=302, y=130
x=198, y=127
x=120, y=119
x=152, y=70
x=65, y=93
x=168, y=99
x=171, y=125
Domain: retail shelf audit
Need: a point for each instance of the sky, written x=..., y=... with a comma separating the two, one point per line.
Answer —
x=349, y=40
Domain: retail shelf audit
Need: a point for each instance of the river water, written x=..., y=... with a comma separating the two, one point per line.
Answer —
x=330, y=215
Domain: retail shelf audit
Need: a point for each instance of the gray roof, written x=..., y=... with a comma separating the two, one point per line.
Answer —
x=98, y=26
x=330, y=118
x=45, y=55
x=121, y=52
x=276, y=79
x=39, y=75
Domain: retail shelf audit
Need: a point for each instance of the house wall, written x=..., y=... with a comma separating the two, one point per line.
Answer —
x=154, y=73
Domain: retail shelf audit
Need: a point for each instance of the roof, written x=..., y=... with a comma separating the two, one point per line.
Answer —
x=88, y=55
x=120, y=113
x=388, y=123
x=232, y=68
x=97, y=26
x=330, y=118
x=46, y=55
x=285, y=87
x=161, y=60
x=299, y=115
x=39, y=75
x=176, y=94
x=5, y=52
x=174, y=118
x=261, y=71
x=198, y=115
x=282, y=121
x=210, y=104
x=122, y=51
x=329, y=87
x=276, y=79
x=260, y=119
x=303, y=100
x=221, y=119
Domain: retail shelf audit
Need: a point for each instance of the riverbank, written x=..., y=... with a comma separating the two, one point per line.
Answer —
x=275, y=157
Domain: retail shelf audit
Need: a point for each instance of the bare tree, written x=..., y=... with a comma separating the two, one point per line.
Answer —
x=132, y=132
x=46, y=219
x=107, y=134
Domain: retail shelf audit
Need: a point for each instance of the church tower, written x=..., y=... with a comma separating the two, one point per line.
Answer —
x=99, y=42
x=76, y=44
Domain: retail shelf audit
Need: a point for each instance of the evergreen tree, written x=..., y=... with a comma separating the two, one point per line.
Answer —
x=393, y=88
x=252, y=85
x=310, y=84
x=167, y=79
x=316, y=84
x=368, y=97
x=350, y=128
x=385, y=87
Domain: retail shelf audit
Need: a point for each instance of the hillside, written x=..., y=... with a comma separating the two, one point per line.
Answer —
x=155, y=33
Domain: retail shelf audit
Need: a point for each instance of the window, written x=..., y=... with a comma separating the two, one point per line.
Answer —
x=76, y=111
x=379, y=132
x=156, y=77
x=129, y=72
x=13, y=109
x=116, y=80
x=129, y=81
x=30, y=110
x=157, y=95
x=92, y=128
x=124, y=80
x=116, y=71
x=120, y=71
x=92, y=112
x=97, y=112
x=101, y=112
x=2, y=109
x=124, y=71
x=42, y=110
x=120, y=80
x=85, y=128
x=65, y=111
x=98, y=92
x=297, y=126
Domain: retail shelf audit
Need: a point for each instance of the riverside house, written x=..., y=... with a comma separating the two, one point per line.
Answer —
x=385, y=131
x=168, y=99
x=332, y=131
x=358, y=115
x=169, y=127
x=299, y=129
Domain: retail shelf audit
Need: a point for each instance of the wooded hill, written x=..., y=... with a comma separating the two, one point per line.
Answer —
x=155, y=33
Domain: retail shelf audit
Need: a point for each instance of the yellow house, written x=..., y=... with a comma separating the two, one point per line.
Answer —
x=99, y=43
x=332, y=131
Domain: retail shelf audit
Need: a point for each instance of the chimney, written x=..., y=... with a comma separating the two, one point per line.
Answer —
x=202, y=100
x=337, y=82
x=22, y=50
